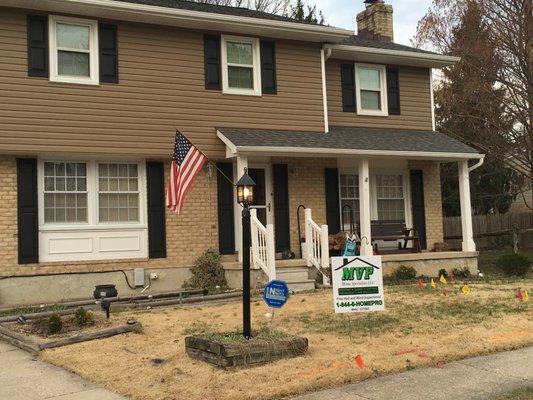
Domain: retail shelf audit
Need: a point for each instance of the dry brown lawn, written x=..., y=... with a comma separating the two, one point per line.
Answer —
x=415, y=330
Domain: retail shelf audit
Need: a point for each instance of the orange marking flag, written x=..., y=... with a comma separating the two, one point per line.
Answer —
x=421, y=284
x=359, y=361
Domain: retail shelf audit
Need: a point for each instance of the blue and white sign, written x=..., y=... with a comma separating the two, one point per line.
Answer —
x=276, y=294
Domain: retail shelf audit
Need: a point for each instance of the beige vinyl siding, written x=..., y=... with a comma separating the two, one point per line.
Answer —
x=161, y=88
x=415, y=101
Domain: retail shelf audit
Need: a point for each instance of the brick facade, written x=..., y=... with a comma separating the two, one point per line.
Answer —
x=188, y=234
x=306, y=186
x=196, y=230
x=376, y=22
x=432, y=200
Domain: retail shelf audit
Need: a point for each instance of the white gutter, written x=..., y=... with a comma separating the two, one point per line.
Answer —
x=477, y=165
x=244, y=150
x=440, y=59
x=113, y=9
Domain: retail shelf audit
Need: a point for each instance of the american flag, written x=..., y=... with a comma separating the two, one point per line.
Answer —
x=187, y=162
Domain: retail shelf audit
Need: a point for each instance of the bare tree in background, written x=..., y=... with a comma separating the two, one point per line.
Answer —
x=511, y=34
x=280, y=7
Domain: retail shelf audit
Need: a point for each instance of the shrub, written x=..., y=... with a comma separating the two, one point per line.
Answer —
x=207, y=272
x=443, y=272
x=461, y=272
x=54, y=324
x=514, y=264
x=82, y=317
x=405, y=273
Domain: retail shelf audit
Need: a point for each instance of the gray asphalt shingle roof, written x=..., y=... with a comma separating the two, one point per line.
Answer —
x=355, y=40
x=349, y=138
x=213, y=8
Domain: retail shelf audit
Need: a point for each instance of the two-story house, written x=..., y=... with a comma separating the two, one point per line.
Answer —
x=91, y=95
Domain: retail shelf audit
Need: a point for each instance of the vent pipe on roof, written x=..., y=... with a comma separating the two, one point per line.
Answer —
x=375, y=21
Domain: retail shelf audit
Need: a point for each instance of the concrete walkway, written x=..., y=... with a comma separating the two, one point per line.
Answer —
x=478, y=378
x=23, y=377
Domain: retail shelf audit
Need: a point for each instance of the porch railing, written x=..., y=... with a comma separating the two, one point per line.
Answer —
x=317, y=245
x=263, y=246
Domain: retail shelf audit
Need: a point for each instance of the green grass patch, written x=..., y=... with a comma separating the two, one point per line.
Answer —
x=348, y=324
x=31, y=310
x=487, y=261
x=520, y=394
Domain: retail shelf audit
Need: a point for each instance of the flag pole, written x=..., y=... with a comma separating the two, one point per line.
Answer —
x=208, y=159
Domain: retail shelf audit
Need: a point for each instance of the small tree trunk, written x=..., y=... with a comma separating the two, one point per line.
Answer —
x=516, y=237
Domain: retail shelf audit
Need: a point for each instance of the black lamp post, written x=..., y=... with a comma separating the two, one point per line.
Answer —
x=245, y=197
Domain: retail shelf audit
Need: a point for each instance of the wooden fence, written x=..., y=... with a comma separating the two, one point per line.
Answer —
x=488, y=225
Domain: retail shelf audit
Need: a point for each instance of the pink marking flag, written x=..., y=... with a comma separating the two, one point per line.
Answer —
x=187, y=162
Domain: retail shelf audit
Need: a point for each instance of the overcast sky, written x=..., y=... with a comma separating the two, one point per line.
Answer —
x=341, y=13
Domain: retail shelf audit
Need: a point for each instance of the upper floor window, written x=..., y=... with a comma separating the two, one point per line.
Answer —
x=371, y=89
x=241, y=72
x=73, y=50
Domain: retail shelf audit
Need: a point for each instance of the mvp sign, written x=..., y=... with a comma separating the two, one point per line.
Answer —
x=357, y=284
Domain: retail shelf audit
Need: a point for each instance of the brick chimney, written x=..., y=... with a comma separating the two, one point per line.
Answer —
x=375, y=22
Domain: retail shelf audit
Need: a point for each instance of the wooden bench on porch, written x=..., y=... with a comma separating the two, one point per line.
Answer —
x=391, y=231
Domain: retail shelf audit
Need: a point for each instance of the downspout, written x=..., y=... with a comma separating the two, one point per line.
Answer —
x=432, y=96
x=476, y=165
x=324, y=55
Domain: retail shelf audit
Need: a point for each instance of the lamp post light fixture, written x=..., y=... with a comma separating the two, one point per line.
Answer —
x=245, y=197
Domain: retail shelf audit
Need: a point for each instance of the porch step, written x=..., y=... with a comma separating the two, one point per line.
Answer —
x=292, y=274
x=297, y=278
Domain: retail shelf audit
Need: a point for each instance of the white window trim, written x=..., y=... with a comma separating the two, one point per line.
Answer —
x=408, y=218
x=383, y=84
x=92, y=199
x=256, y=91
x=94, y=78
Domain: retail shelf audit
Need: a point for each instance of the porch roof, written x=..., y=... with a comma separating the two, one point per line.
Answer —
x=347, y=141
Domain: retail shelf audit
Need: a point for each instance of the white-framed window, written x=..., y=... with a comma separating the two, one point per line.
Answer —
x=73, y=50
x=92, y=209
x=118, y=192
x=65, y=192
x=390, y=197
x=241, y=72
x=349, y=196
x=371, y=93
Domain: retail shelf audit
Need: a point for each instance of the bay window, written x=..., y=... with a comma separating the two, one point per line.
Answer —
x=73, y=50
x=240, y=65
x=371, y=89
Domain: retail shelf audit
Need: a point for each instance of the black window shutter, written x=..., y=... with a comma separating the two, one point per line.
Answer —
x=393, y=91
x=212, y=62
x=226, y=223
x=108, y=53
x=268, y=67
x=37, y=45
x=28, y=225
x=280, y=179
x=157, y=238
x=418, y=207
x=333, y=212
x=348, y=87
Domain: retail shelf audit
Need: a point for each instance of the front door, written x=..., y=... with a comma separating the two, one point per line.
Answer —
x=263, y=193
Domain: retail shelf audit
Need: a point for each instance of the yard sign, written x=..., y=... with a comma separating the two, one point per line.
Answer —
x=357, y=284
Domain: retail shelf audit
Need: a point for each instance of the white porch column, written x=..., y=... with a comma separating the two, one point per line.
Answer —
x=364, y=208
x=466, y=207
x=242, y=162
